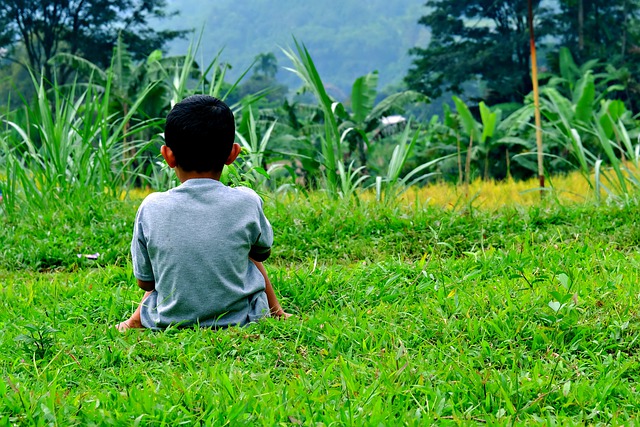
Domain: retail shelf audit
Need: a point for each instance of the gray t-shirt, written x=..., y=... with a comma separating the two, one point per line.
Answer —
x=194, y=241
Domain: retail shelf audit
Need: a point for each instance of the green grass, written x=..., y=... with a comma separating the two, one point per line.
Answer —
x=404, y=316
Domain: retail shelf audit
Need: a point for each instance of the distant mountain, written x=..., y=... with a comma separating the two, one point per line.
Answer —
x=346, y=38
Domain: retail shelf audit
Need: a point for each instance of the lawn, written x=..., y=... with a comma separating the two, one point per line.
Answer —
x=413, y=313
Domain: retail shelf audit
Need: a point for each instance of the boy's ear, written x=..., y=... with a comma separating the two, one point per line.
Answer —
x=168, y=155
x=235, y=151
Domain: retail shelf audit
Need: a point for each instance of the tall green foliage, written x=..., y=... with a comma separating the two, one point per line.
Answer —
x=471, y=128
x=366, y=112
x=394, y=182
x=490, y=126
x=331, y=148
x=254, y=145
x=612, y=159
x=585, y=129
x=341, y=126
x=68, y=147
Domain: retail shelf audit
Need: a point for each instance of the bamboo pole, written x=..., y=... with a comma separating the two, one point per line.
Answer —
x=467, y=167
x=581, y=26
x=536, y=96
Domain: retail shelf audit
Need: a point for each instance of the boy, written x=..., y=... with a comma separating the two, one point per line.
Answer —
x=197, y=249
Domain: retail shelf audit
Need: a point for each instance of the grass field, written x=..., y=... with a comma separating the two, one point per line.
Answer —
x=430, y=311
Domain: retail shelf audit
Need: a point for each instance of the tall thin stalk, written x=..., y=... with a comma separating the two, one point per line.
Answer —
x=459, y=152
x=467, y=167
x=470, y=126
x=536, y=95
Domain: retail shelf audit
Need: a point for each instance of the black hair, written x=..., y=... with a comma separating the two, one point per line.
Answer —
x=200, y=131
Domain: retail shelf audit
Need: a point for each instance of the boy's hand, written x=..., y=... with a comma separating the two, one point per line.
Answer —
x=280, y=314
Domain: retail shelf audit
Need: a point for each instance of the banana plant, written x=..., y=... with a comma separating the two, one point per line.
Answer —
x=363, y=96
x=485, y=137
x=567, y=102
x=444, y=137
x=490, y=120
x=254, y=146
x=471, y=128
x=606, y=81
x=594, y=131
x=622, y=155
x=331, y=141
x=390, y=186
x=452, y=122
x=365, y=115
x=566, y=114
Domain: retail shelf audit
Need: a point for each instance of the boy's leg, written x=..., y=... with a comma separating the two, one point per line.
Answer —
x=133, y=321
x=274, y=305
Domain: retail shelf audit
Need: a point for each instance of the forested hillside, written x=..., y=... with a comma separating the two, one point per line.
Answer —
x=347, y=38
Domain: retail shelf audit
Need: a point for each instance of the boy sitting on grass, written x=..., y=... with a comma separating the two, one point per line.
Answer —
x=197, y=249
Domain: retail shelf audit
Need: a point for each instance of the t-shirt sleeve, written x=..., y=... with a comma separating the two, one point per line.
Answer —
x=139, y=252
x=261, y=248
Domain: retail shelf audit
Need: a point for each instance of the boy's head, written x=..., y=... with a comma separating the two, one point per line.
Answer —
x=200, y=131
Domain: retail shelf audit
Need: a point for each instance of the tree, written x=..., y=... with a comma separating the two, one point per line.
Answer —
x=263, y=81
x=606, y=31
x=597, y=29
x=87, y=28
x=266, y=64
x=485, y=40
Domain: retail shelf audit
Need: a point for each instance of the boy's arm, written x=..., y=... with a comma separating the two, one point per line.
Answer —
x=274, y=305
